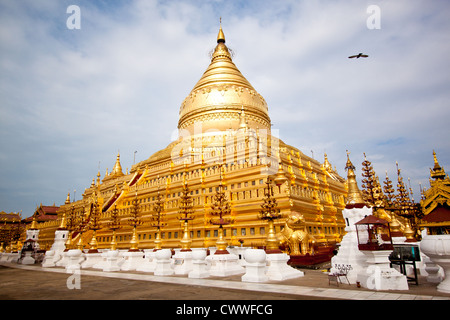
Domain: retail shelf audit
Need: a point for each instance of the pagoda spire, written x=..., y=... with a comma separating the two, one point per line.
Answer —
x=371, y=187
x=388, y=189
x=402, y=198
x=63, y=224
x=117, y=170
x=437, y=172
x=34, y=223
x=354, y=197
x=326, y=164
x=221, y=35
x=68, y=198
x=218, y=97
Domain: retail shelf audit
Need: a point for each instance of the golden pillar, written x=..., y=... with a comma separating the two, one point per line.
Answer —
x=134, y=243
x=186, y=212
x=186, y=241
x=113, y=225
x=220, y=208
x=158, y=220
x=94, y=225
x=135, y=221
x=270, y=212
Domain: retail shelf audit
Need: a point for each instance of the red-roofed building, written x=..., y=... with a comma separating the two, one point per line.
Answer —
x=43, y=213
x=438, y=220
x=6, y=218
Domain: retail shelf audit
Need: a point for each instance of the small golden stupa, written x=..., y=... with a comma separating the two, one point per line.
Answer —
x=354, y=196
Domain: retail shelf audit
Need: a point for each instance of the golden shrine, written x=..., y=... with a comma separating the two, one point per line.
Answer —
x=435, y=202
x=225, y=142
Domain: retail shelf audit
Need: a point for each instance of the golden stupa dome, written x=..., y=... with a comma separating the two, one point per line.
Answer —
x=220, y=96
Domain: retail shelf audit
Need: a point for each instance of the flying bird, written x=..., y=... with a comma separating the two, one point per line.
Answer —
x=359, y=55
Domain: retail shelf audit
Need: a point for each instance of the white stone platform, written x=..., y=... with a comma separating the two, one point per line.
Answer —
x=223, y=265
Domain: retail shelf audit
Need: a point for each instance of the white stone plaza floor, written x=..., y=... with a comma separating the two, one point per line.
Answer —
x=314, y=284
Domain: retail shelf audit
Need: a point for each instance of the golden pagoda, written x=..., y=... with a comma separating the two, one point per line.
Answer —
x=224, y=137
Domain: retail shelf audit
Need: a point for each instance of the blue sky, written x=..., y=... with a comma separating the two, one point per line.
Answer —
x=71, y=99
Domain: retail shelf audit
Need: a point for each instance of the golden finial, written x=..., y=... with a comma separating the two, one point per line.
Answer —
x=326, y=164
x=34, y=223
x=398, y=170
x=220, y=36
x=117, y=167
x=63, y=224
x=68, y=198
x=349, y=164
x=354, y=197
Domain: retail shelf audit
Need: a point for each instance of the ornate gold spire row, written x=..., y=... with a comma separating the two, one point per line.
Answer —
x=220, y=95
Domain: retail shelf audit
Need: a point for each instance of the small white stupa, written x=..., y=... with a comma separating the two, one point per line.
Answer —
x=163, y=263
x=363, y=251
x=349, y=258
x=149, y=263
x=199, y=269
x=59, y=245
x=31, y=244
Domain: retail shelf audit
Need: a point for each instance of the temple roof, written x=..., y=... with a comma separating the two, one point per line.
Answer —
x=46, y=210
x=371, y=219
x=43, y=213
x=439, y=214
x=439, y=192
x=437, y=172
x=9, y=217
